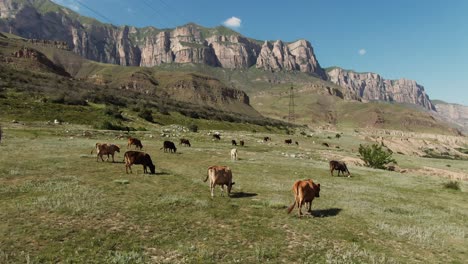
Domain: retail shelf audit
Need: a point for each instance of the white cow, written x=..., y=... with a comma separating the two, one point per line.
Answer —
x=233, y=154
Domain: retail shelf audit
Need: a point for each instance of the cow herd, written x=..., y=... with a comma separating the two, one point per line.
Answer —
x=305, y=191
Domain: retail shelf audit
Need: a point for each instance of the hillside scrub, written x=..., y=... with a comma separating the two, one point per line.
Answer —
x=374, y=156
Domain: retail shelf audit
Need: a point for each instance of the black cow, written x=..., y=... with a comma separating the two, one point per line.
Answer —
x=233, y=142
x=340, y=166
x=137, y=157
x=288, y=141
x=217, y=136
x=185, y=142
x=265, y=139
x=169, y=145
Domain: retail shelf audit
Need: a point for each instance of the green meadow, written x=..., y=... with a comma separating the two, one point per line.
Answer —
x=57, y=204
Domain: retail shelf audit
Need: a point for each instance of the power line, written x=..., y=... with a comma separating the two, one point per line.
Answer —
x=156, y=12
x=95, y=12
x=180, y=15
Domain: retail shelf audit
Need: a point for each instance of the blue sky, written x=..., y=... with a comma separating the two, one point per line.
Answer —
x=426, y=41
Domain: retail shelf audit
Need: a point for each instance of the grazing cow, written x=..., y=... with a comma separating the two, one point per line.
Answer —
x=220, y=175
x=304, y=192
x=233, y=154
x=265, y=139
x=169, y=145
x=241, y=143
x=233, y=142
x=134, y=141
x=297, y=143
x=326, y=144
x=185, y=142
x=216, y=136
x=137, y=157
x=105, y=149
x=288, y=141
x=340, y=166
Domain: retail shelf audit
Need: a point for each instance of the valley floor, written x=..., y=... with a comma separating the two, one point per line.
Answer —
x=57, y=204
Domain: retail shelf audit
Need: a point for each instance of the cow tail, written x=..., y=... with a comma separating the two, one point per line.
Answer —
x=207, y=175
x=290, y=208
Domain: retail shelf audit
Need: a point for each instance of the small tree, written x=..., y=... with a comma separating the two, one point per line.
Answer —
x=193, y=128
x=375, y=157
x=147, y=115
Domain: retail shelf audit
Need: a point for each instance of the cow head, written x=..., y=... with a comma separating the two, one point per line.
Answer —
x=152, y=168
x=117, y=148
x=317, y=190
x=229, y=187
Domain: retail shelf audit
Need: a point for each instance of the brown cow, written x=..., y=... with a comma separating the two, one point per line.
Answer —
x=220, y=175
x=340, y=166
x=304, y=192
x=233, y=142
x=242, y=143
x=105, y=149
x=137, y=157
x=134, y=141
x=185, y=142
x=169, y=146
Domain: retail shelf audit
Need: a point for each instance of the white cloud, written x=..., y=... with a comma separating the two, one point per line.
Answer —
x=68, y=3
x=233, y=22
x=362, y=52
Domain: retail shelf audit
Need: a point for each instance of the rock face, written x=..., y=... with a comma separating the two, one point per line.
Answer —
x=130, y=46
x=372, y=87
x=454, y=113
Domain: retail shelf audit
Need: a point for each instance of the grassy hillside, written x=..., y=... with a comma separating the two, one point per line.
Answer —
x=59, y=205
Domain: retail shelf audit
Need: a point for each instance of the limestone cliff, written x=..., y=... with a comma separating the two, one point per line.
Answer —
x=372, y=87
x=454, y=113
x=131, y=46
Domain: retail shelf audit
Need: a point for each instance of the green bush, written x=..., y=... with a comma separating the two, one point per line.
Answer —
x=147, y=115
x=114, y=112
x=454, y=185
x=193, y=128
x=375, y=157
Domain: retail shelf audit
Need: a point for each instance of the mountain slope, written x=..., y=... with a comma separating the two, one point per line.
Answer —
x=455, y=113
x=372, y=87
x=131, y=46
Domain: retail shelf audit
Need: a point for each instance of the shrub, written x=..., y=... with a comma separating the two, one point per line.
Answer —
x=337, y=135
x=375, y=157
x=114, y=112
x=106, y=125
x=454, y=185
x=193, y=128
x=146, y=115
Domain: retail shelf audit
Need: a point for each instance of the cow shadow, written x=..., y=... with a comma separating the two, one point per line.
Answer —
x=242, y=195
x=326, y=212
x=160, y=173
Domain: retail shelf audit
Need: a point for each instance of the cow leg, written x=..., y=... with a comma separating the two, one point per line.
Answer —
x=222, y=190
x=212, y=189
x=113, y=158
x=310, y=207
x=102, y=158
x=301, y=202
x=331, y=171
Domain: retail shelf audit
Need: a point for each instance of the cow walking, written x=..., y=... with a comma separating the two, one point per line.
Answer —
x=288, y=141
x=233, y=142
x=137, y=157
x=220, y=175
x=304, y=192
x=340, y=166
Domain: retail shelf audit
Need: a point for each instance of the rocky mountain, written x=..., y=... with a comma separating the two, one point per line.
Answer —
x=131, y=46
x=372, y=87
x=454, y=113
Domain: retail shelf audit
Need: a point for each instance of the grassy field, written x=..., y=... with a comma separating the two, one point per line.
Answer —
x=57, y=204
